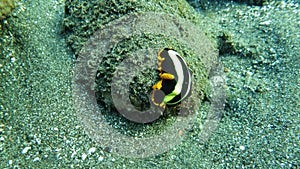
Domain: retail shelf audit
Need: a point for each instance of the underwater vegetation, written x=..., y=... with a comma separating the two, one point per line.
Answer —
x=125, y=49
x=6, y=6
x=83, y=18
x=80, y=26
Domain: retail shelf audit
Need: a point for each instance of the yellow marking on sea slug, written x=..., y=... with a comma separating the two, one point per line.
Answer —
x=158, y=85
x=166, y=76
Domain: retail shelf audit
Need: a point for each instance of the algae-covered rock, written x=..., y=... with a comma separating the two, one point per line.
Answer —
x=6, y=6
x=177, y=27
x=83, y=18
x=116, y=44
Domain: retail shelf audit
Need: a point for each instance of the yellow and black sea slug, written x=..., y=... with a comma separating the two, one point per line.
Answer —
x=175, y=82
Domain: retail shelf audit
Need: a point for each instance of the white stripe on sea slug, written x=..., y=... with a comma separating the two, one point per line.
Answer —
x=178, y=68
x=175, y=57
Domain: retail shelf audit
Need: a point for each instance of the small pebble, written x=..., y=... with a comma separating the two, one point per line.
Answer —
x=13, y=59
x=180, y=132
x=83, y=157
x=73, y=154
x=100, y=159
x=242, y=148
x=36, y=159
x=265, y=23
x=226, y=70
x=249, y=74
x=25, y=150
x=92, y=150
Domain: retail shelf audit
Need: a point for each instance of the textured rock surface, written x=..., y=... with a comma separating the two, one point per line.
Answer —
x=83, y=18
x=80, y=25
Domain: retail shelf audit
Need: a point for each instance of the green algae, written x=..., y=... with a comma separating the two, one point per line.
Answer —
x=80, y=25
x=148, y=31
x=83, y=18
x=6, y=7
